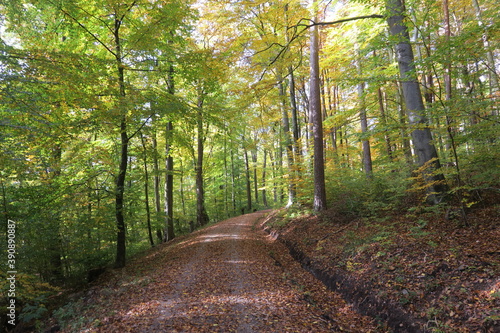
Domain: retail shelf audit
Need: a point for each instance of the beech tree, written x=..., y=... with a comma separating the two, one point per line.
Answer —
x=421, y=134
x=317, y=124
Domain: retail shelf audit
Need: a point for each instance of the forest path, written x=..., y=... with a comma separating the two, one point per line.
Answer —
x=229, y=277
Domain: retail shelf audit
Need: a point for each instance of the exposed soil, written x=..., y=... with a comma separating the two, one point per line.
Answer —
x=417, y=271
x=229, y=277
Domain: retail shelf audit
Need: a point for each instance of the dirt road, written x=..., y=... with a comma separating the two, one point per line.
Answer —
x=229, y=277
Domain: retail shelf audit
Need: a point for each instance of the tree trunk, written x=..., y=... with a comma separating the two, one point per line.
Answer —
x=317, y=124
x=233, y=179
x=264, y=192
x=288, y=144
x=421, y=135
x=119, y=197
x=146, y=191
x=201, y=213
x=383, y=118
x=122, y=170
x=490, y=57
x=255, y=180
x=367, y=156
x=248, y=187
x=169, y=232
x=295, y=120
x=156, y=185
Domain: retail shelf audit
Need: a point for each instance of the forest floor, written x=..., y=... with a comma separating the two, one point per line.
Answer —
x=228, y=277
x=419, y=271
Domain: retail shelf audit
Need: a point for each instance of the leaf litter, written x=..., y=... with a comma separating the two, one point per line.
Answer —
x=228, y=277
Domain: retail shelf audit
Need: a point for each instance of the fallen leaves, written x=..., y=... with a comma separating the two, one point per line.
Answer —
x=444, y=275
x=229, y=277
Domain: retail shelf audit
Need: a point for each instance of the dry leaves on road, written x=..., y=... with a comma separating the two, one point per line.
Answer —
x=229, y=277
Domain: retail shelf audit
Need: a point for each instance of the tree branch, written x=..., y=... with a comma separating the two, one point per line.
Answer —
x=94, y=36
x=140, y=128
x=340, y=21
x=307, y=26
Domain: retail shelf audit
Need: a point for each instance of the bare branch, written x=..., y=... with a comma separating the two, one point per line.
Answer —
x=341, y=20
x=307, y=26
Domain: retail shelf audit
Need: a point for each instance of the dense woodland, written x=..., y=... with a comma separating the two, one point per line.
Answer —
x=124, y=124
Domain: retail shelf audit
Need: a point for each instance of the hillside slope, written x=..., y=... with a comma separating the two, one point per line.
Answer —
x=423, y=269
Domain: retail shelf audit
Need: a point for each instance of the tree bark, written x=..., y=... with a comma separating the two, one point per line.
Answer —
x=255, y=180
x=146, y=191
x=367, y=156
x=169, y=186
x=119, y=197
x=122, y=170
x=264, y=191
x=383, y=118
x=169, y=232
x=295, y=120
x=421, y=135
x=317, y=124
x=156, y=186
x=288, y=144
x=248, y=183
x=201, y=213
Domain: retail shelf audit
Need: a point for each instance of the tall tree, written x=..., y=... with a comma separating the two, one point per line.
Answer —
x=367, y=156
x=319, y=202
x=421, y=134
x=169, y=232
x=146, y=190
x=201, y=212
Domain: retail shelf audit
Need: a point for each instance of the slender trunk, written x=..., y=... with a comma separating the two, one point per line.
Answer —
x=383, y=118
x=288, y=144
x=333, y=131
x=404, y=128
x=156, y=185
x=249, y=187
x=255, y=181
x=447, y=79
x=201, y=213
x=295, y=120
x=264, y=165
x=293, y=99
x=490, y=57
x=317, y=125
x=421, y=136
x=367, y=156
x=122, y=170
x=120, y=192
x=226, y=175
x=233, y=180
x=448, y=88
x=181, y=190
x=274, y=177
x=146, y=191
x=447, y=65
x=169, y=232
